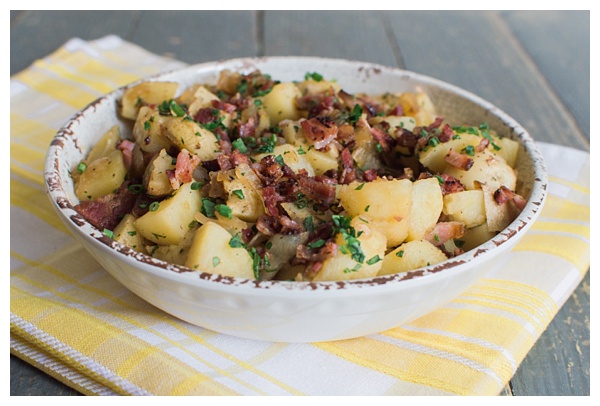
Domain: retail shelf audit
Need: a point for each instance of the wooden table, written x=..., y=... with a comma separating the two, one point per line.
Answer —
x=533, y=65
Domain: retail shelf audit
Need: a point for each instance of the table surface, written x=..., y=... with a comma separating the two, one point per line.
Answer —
x=534, y=65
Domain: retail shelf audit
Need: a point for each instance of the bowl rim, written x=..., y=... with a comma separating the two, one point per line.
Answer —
x=513, y=231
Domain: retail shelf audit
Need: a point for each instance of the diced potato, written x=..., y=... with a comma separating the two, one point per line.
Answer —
x=419, y=106
x=343, y=267
x=411, y=255
x=476, y=236
x=243, y=188
x=280, y=102
x=189, y=135
x=198, y=98
x=321, y=161
x=211, y=252
x=146, y=93
x=498, y=216
x=156, y=180
x=487, y=168
x=168, y=224
x=291, y=157
x=426, y=208
x=292, y=134
x=101, y=177
x=311, y=86
x=466, y=206
x=107, y=144
x=406, y=122
x=387, y=202
x=281, y=248
x=126, y=233
x=509, y=150
x=147, y=131
x=432, y=157
x=174, y=254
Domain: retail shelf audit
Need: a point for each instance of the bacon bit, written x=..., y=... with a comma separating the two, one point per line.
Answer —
x=445, y=231
x=348, y=173
x=248, y=234
x=458, y=160
x=221, y=105
x=127, y=147
x=185, y=166
x=383, y=138
x=370, y=175
x=405, y=138
x=319, y=131
x=446, y=134
x=107, y=211
x=483, y=144
x=247, y=129
x=504, y=194
x=271, y=199
x=289, y=226
x=267, y=225
x=436, y=124
x=396, y=111
x=268, y=170
x=305, y=255
x=451, y=184
x=237, y=158
x=224, y=162
x=315, y=188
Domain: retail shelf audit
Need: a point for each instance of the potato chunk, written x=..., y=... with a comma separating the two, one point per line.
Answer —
x=126, y=233
x=487, y=168
x=147, y=131
x=432, y=157
x=101, y=177
x=243, y=189
x=426, y=208
x=280, y=102
x=168, y=224
x=211, y=252
x=189, y=135
x=387, y=202
x=411, y=255
x=146, y=93
x=156, y=180
x=466, y=206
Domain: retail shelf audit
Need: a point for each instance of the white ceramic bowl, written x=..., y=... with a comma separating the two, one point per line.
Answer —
x=295, y=311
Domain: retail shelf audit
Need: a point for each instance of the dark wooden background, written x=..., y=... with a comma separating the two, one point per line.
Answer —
x=535, y=65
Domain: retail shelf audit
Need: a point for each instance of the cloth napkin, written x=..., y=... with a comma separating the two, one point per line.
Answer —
x=72, y=320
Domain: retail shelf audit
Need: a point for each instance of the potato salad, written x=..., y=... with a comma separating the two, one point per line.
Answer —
x=256, y=178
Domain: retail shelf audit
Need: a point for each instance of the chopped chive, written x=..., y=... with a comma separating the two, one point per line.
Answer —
x=81, y=167
x=153, y=206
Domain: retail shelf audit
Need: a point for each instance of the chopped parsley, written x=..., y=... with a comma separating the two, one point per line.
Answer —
x=224, y=210
x=236, y=242
x=208, y=207
x=108, y=233
x=215, y=261
x=317, y=77
x=81, y=167
x=239, y=193
x=239, y=145
x=374, y=260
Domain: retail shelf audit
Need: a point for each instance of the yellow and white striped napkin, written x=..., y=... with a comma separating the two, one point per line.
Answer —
x=71, y=319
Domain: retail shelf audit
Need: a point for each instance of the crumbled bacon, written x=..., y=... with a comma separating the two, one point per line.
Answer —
x=305, y=255
x=445, y=231
x=450, y=184
x=185, y=166
x=458, y=160
x=405, y=138
x=319, y=131
x=383, y=138
x=348, y=173
x=483, y=144
x=504, y=194
x=271, y=199
x=446, y=134
x=106, y=211
x=369, y=175
x=127, y=147
x=320, y=189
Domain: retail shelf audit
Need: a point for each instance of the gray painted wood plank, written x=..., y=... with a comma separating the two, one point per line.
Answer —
x=198, y=36
x=356, y=35
x=27, y=380
x=559, y=44
x=559, y=362
x=463, y=48
x=35, y=34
